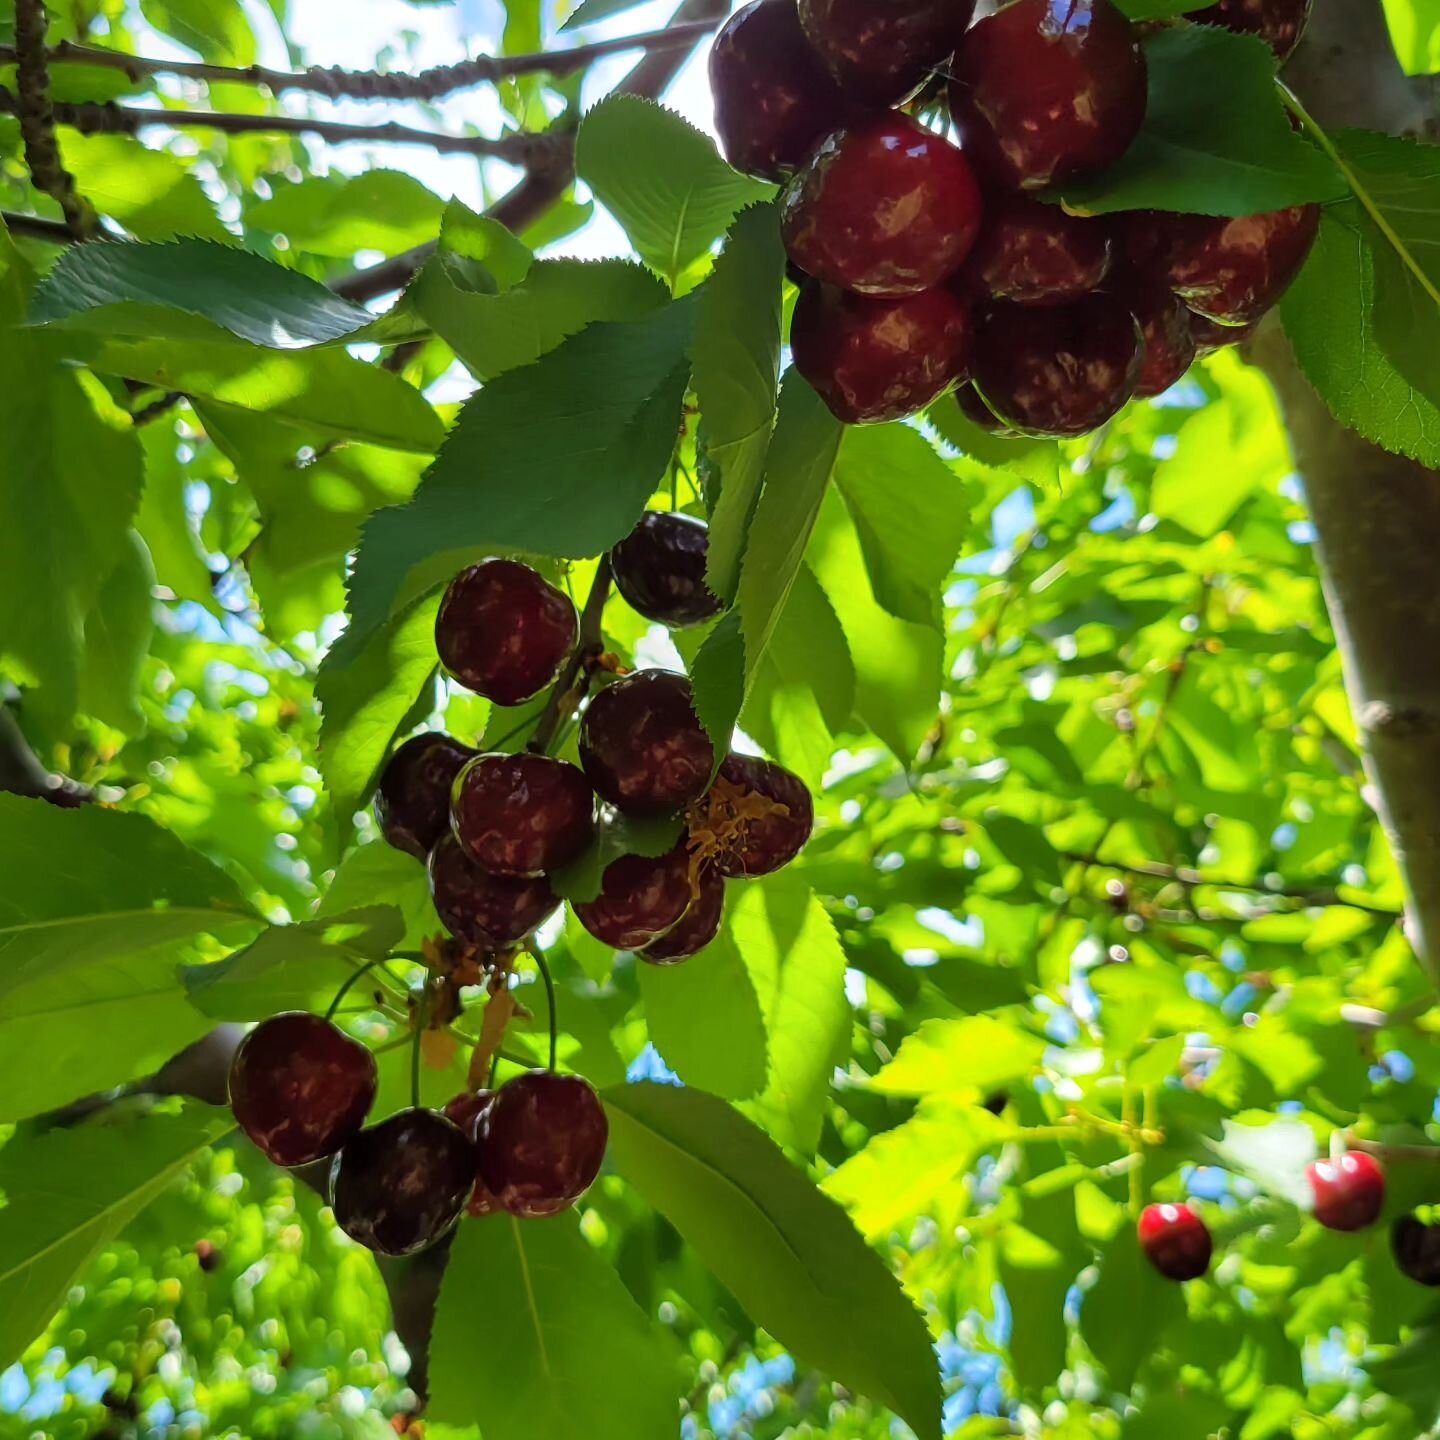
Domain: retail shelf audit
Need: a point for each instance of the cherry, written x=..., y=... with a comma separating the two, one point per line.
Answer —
x=504, y=631
x=642, y=747
x=774, y=101
x=300, y=1087
x=1417, y=1249
x=523, y=815
x=1036, y=254
x=1279, y=23
x=979, y=414
x=1176, y=1241
x=400, y=1185
x=873, y=360
x=1046, y=90
x=1165, y=327
x=412, y=801
x=659, y=569
x=884, y=207
x=883, y=52
x=1060, y=371
x=640, y=900
x=491, y=912
x=468, y=1112
x=543, y=1143
x=756, y=820
x=1349, y=1191
x=1210, y=335
x=698, y=926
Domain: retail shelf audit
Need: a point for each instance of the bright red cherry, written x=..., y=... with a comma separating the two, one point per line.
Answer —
x=756, y=819
x=698, y=926
x=979, y=414
x=1279, y=23
x=412, y=801
x=642, y=747
x=774, y=101
x=1210, y=335
x=1349, y=1191
x=400, y=1185
x=468, y=1113
x=873, y=360
x=523, y=815
x=543, y=1143
x=1164, y=322
x=1417, y=1249
x=659, y=569
x=883, y=52
x=1046, y=90
x=1059, y=371
x=885, y=207
x=504, y=631
x=491, y=912
x=1036, y=254
x=1176, y=1241
x=300, y=1087
x=640, y=900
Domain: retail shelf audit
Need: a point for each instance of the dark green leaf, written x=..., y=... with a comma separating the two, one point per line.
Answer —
x=616, y=835
x=1127, y=1307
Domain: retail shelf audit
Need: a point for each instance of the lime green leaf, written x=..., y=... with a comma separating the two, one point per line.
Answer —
x=117, y=640
x=976, y=1053
x=1275, y=1155
x=150, y=192
x=164, y=522
x=1040, y=1257
x=216, y=29
x=338, y=215
x=717, y=681
x=378, y=874
x=1415, y=31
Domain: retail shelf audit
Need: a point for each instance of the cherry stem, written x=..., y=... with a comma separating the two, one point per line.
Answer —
x=570, y=689
x=544, y=969
x=422, y=1011
x=1381, y=1151
x=350, y=984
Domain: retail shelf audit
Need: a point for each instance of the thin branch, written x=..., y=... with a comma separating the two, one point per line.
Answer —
x=574, y=682
x=1381, y=1151
x=157, y=408
x=36, y=227
x=21, y=772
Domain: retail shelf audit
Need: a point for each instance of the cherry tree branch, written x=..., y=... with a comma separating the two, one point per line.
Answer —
x=21, y=772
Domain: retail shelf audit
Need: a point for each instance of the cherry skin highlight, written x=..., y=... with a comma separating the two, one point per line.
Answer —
x=491, y=912
x=412, y=801
x=1176, y=1241
x=1349, y=1191
x=697, y=928
x=884, y=207
x=1279, y=23
x=1417, y=1250
x=523, y=815
x=640, y=900
x=774, y=100
x=758, y=817
x=1047, y=90
x=873, y=360
x=642, y=747
x=1036, y=254
x=543, y=1143
x=400, y=1185
x=504, y=631
x=300, y=1087
x=659, y=569
x=468, y=1113
x=1169, y=341
x=884, y=52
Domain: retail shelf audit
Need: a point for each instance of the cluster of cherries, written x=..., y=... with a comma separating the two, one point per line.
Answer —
x=1349, y=1193
x=925, y=265
x=492, y=828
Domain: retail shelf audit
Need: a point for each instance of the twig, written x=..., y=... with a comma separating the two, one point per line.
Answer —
x=1382, y=1151
x=156, y=408
x=21, y=772
x=570, y=689
x=36, y=227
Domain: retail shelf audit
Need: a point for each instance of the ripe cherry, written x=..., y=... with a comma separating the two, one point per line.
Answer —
x=1059, y=371
x=1417, y=1249
x=884, y=207
x=1169, y=348
x=491, y=912
x=1279, y=23
x=756, y=819
x=698, y=926
x=300, y=1088
x=412, y=801
x=1036, y=254
x=774, y=101
x=543, y=1143
x=523, y=815
x=1349, y=1191
x=400, y=1185
x=1211, y=336
x=640, y=900
x=504, y=631
x=468, y=1112
x=873, y=360
x=642, y=747
x=884, y=52
x=1046, y=90
x=1176, y=1241
x=979, y=414
x=659, y=569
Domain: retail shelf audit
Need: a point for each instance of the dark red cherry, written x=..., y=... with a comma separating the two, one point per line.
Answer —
x=884, y=207
x=1176, y=1241
x=883, y=52
x=659, y=569
x=468, y=1113
x=1036, y=254
x=979, y=414
x=1046, y=90
x=412, y=801
x=1210, y=335
x=400, y=1185
x=873, y=360
x=523, y=815
x=543, y=1143
x=757, y=819
x=504, y=631
x=300, y=1087
x=774, y=101
x=642, y=747
x=1058, y=371
x=1349, y=1191
x=1279, y=23
x=491, y=912
x=1417, y=1249
x=698, y=926
x=640, y=900
x=1165, y=327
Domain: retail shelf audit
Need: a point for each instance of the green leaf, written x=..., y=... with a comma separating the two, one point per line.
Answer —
x=791, y=1257
x=1415, y=31
x=615, y=835
x=589, y=11
x=216, y=29
x=69, y=1192
x=1041, y=1254
x=536, y=1339
x=1275, y=1155
x=338, y=215
x=1127, y=1307
x=164, y=521
x=976, y=1053
x=150, y=192
x=1160, y=9
x=378, y=874
x=117, y=640
x=662, y=179
x=1197, y=157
